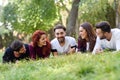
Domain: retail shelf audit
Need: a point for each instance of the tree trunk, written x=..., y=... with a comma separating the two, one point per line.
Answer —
x=117, y=3
x=1, y=42
x=73, y=15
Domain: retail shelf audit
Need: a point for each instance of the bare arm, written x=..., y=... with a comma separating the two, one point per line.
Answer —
x=97, y=47
x=55, y=53
x=71, y=51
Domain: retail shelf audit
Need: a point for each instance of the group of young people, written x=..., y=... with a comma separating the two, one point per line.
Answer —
x=89, y=41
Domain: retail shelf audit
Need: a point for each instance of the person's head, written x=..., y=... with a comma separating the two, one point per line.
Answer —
x=103, y=29
x=60, y=32
x=18, y=47
x=86, y=31
x=39, y=38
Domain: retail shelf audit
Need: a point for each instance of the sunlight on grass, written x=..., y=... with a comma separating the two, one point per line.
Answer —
x=72, y=67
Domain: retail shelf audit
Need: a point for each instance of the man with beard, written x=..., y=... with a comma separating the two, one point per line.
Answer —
x=107, y=38
x=62, y=44
x=16, y=52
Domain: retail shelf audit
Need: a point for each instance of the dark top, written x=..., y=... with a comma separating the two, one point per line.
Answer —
x=82, y=45
x=39, y=52
x=9, y=55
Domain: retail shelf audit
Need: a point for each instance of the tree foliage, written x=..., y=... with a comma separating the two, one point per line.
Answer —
x=97, y=10
x=10, y=15
x=29, y=15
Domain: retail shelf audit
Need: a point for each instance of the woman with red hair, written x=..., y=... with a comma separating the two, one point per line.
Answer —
x=40, y=46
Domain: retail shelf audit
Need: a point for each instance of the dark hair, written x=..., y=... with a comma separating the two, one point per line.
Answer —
x=59, y=26
x=91, y=36
x=36, y=36
x=104, y=26
x=16, y=45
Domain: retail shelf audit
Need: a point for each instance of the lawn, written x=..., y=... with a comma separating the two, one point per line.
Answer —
x=1, y=54
x=105, y=66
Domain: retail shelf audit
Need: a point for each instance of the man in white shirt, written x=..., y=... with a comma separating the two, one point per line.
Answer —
x=107, y=38
x=62, y=44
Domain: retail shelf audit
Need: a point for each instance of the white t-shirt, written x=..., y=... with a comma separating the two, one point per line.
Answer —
x=69, y=42
x=87, y=46
x=114, y=43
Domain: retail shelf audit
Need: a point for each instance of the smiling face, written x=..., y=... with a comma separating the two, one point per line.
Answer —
x=60, y=35
x=42, y=40
x=100, y=33
x=82, y=33
x=22, y=50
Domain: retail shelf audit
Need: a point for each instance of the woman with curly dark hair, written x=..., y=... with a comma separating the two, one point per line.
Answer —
x=87, y=37
x=40, y=46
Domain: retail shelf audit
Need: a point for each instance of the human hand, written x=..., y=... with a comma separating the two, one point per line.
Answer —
x=72, y=50
x=99, y=51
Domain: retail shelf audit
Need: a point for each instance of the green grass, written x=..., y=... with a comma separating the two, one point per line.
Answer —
x=1, y=54
x=104, y=66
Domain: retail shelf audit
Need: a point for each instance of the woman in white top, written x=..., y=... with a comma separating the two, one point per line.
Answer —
x=87, y=37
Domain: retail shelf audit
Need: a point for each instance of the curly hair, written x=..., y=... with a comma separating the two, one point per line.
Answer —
x=45, y=49
x=36, y=36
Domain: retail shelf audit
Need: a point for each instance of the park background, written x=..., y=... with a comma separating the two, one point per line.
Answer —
x=20, y=18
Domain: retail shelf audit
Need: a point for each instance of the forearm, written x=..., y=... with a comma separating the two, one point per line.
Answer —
x=71, y=51
x=55, y=53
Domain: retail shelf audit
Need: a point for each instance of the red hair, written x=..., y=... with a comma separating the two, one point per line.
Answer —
x=46, y=50
x=35, y=39
x=36, y=36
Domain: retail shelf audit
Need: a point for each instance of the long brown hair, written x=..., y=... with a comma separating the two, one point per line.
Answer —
x=90, y=33
x=35, y=38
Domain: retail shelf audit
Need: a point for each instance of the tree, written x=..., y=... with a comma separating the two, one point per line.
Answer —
x=10, y=15
x=72, y=18
x=117, y=4
x=26, y=16
x=31, y=14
